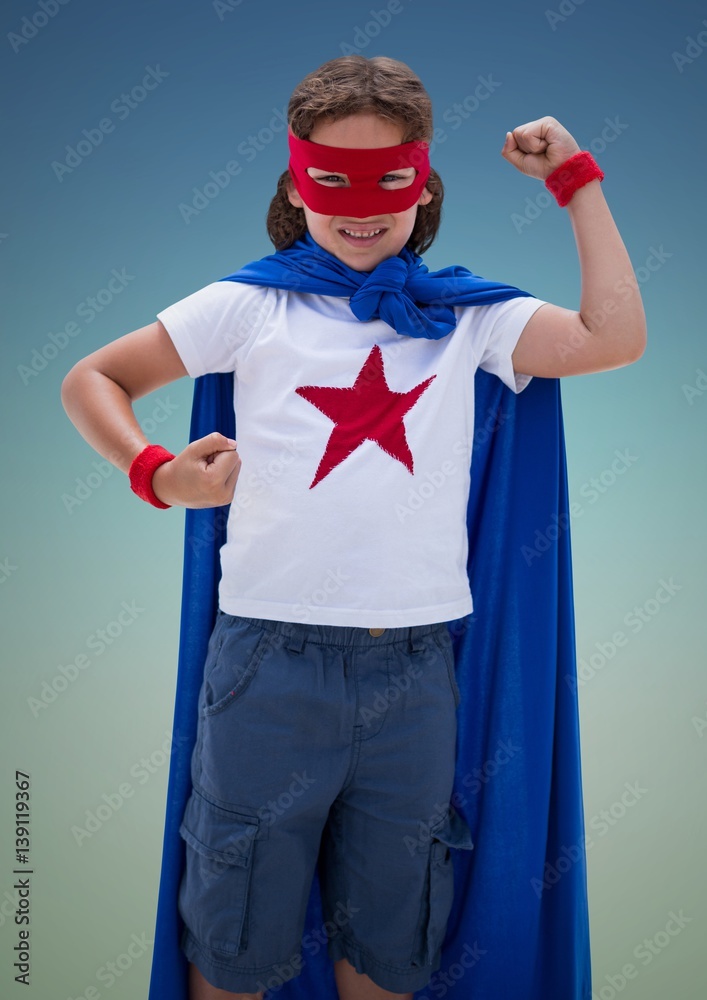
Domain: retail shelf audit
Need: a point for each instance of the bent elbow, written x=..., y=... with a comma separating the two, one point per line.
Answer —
x=70, y=384
x=640, y=346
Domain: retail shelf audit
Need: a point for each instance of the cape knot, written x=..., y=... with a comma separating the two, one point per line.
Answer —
x=388, y=276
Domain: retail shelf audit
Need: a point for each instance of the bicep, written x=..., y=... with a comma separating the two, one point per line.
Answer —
x=139, y=362
x=555, y=342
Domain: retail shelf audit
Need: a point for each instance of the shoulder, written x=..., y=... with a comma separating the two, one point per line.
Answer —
x=243, y=289
x=226, y=289
x=219, y=305
x=225, y=296
x=496, y=322
x=519, y=307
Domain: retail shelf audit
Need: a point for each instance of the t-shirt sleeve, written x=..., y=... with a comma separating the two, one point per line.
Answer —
x=209, y=326
x=495, y=331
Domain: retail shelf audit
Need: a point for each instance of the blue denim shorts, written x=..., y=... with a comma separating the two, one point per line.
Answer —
x=321, y=748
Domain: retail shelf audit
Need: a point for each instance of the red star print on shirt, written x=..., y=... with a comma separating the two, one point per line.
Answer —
x=368, y=410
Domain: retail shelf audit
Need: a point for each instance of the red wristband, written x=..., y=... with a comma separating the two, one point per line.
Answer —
x=574, y=173
x=142, y=469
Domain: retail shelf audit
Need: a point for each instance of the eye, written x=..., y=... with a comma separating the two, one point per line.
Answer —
x=398, y=180
x=329, y=179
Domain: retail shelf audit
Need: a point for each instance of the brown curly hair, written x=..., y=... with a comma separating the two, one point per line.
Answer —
x=351, y=85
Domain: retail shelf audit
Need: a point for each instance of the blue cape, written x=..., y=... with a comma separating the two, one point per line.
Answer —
x=519, y=925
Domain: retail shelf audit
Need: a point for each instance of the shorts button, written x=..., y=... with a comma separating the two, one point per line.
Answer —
x=376, y=631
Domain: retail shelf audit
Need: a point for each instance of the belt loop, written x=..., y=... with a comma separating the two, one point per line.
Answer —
x=294, y=636
x=415, y=642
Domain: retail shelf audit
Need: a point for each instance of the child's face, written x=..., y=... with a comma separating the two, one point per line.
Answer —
x=360, y=131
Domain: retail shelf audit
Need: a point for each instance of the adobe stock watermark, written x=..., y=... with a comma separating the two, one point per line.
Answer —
x=273, y=809
x=693, y=392
x=448, y=978
x=32, y=25
x=699, y=723
x=10, y=904
x=400, y=683
x=565, y=9
x=456, y=114
x=624, y=287
x=601, y=823
x=312, y=943
x=330, y=584
x=363, y=36
x=87, y=310
x=102, y=470
x=122, y=107
x=592, y=490
x=108, y=974
x=431, y=482
x=253, y=483
x=635, y=620
x=693, y=49
x=240, y=843
x=112, y=802
x=209, y=528
x=475, y=780
x=220, y=179
x=97, y=643
x=534, y=207
x=6, y=569
x=645, y=952
x=224, y=7
x=425, y=829
x=382, y=700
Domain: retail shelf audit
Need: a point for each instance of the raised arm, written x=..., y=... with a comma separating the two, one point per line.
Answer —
x=609, y=329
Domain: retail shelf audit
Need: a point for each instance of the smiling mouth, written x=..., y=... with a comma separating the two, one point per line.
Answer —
x=362, y=237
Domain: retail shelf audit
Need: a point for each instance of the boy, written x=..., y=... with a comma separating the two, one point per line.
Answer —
x=98, y=393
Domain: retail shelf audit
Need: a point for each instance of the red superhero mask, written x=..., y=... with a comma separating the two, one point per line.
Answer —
x=364, y=169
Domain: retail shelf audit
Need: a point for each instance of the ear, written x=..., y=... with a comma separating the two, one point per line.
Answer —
x=293, y=194
x=425, y=198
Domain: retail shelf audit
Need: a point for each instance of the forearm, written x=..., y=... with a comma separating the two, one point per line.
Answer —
x=610, y=303
x=102, y=413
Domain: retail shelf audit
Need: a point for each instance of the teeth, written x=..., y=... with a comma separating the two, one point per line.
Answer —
x=374, y=232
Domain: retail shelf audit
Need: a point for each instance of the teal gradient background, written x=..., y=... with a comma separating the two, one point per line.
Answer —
x=70, y=567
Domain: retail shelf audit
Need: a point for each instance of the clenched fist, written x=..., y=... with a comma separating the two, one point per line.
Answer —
x=538, y=147
x=203, y=475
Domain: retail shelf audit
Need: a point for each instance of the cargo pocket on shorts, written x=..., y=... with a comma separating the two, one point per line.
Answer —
x=452, y=831
x=232, y=663
x=444, y=643
x=214, y=893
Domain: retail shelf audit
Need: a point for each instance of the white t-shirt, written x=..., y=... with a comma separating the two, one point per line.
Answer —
x=355, y=442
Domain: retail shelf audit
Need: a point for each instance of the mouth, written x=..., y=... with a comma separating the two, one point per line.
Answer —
x=361, y=237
